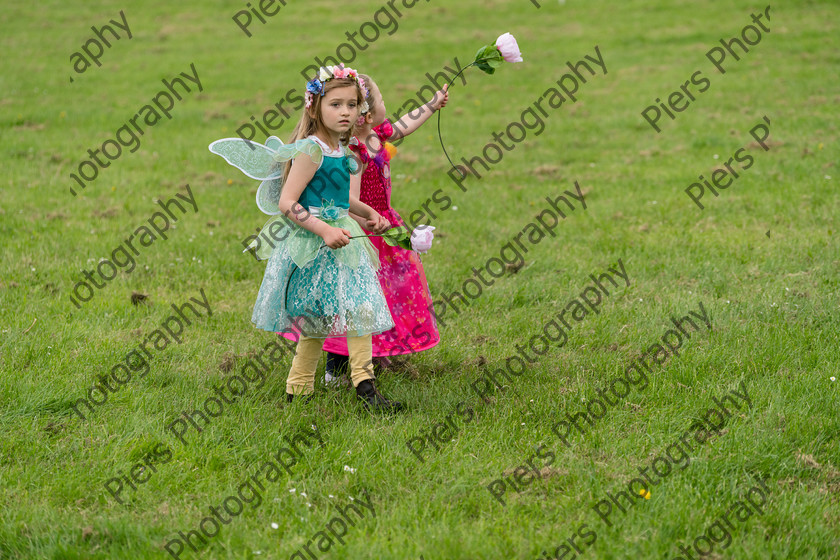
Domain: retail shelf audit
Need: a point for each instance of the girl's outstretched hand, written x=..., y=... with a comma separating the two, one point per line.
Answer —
x=336, y=238
x=441, y=98
x=379, y=225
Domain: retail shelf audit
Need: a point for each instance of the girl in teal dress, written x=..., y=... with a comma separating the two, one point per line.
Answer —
x=321, y=279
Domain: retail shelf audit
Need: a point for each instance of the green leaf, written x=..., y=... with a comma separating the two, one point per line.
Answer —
x=480, y=54
x=488, y=58
x=485, y=67
x=398, y=237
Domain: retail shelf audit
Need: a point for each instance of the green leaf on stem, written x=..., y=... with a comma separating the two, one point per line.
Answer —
x=488, y=58
x=398, y=237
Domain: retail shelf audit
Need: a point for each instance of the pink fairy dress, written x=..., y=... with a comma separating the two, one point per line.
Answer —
x=401, y=272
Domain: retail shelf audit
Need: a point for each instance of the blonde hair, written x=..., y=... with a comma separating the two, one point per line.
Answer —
x=371, y=85
x=310, y=119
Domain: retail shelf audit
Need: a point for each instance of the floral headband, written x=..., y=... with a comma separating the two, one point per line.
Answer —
x=316, y=85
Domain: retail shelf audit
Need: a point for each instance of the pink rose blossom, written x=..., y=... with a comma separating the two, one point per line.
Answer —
x=509, y=48
x=421, y=238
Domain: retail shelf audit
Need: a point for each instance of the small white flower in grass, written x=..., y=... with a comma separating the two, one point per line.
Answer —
x=832, y=378
x=454, y=207
x=275, y=526
x=349, y=469
x=292, y=490
x=352, y=499
x=308, y=504
x=303, y=494
x=715, y=156
x=331, y=496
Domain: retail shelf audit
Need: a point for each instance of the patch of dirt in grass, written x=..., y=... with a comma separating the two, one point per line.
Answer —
x=107, y=213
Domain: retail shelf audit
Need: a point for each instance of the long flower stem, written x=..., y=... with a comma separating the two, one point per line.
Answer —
x=438, y=123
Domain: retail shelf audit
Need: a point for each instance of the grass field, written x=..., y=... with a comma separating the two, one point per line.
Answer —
x=761, y=258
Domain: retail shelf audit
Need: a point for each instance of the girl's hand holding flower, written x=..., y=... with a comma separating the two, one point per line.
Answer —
x=335, y=238
x=440, y=99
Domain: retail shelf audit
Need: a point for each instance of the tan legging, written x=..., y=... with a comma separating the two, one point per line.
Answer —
x=301, y=380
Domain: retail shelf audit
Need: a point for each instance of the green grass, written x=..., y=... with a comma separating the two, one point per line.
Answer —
x=773, y=301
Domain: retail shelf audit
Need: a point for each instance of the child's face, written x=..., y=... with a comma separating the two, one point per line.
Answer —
x=340, y=109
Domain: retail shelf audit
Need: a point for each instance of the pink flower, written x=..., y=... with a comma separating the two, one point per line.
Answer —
x=421, y=238
x=339, y=73
x=509, y=48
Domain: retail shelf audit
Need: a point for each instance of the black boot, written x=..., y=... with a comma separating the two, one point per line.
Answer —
x=337, y=366
x=373, y=400
x=306, y=398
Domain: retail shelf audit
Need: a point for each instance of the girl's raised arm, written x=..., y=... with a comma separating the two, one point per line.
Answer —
x=412, y=120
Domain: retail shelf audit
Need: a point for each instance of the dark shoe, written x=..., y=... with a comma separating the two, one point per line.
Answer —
x=306, y=398
x=373, y=400
x=337, y=366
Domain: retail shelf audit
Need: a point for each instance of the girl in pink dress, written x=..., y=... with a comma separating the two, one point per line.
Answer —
x=401, y=272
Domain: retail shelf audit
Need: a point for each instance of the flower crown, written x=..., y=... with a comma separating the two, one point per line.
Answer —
x=316, y=85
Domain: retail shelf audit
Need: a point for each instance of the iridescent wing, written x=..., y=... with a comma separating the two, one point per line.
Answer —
x=265, y=163
x=253, y=159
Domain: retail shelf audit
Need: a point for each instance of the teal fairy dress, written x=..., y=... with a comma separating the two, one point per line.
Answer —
x=307, y=286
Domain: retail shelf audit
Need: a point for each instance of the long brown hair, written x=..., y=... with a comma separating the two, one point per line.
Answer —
x=310, y=119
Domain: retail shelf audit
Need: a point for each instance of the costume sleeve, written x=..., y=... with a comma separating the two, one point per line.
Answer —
x=384, y=130
x=361, y=151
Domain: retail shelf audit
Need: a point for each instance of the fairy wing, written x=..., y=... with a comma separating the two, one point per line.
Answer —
x=253, y=159
x=266, y=163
